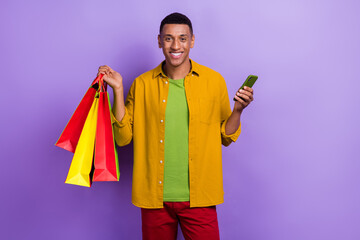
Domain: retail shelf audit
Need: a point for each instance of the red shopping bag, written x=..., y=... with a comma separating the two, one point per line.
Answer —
x=105, y=159
x=70, y=136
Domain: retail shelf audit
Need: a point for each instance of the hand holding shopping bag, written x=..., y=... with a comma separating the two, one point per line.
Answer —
x=96, y=133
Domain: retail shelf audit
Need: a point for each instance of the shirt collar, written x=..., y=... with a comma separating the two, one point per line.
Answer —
x=159, y=71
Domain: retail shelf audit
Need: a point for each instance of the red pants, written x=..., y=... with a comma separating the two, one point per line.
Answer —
x=196, y=223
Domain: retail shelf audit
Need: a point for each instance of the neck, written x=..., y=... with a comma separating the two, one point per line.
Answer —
x=177, y=72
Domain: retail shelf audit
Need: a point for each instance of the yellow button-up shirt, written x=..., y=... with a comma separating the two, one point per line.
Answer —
x=143, y=122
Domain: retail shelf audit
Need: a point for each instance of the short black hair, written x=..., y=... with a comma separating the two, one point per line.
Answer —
x=176, y=18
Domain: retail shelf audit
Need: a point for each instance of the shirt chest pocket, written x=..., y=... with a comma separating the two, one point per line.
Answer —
x=209, y=110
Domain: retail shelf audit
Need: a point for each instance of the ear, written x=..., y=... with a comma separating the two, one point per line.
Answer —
x=159, y=41
x=192, y=41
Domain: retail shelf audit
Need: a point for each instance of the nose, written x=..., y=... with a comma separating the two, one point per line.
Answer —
x=175, y=44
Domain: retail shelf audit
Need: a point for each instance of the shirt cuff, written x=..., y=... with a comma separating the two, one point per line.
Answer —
x=234, y=136
x=123, y=121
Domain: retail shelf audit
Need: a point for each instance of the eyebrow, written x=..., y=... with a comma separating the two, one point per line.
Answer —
x=169, y=35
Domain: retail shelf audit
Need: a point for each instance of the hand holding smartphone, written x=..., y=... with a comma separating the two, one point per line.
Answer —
x=249, y=82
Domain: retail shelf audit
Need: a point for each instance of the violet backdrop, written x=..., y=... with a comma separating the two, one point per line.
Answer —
x=292, y=174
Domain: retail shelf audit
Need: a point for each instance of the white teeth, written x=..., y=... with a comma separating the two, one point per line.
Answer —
x=176, y=54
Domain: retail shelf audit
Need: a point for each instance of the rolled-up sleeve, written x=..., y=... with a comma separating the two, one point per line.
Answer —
x=227, y=139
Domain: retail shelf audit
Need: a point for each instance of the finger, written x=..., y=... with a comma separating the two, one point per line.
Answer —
x=246, y=99
x=243, y=96
x=242, y=91
x=240, y=96
x=108, y=68
x=241, y=101
x=103, y=69
x=249, y=94
x=248, y=89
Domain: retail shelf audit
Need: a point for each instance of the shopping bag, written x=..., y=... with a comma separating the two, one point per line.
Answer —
x=81, y=165
x=116, y=155
x=106, y=166
x=70, y=136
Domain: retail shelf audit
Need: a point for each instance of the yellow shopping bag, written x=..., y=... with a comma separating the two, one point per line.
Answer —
x=79, y=172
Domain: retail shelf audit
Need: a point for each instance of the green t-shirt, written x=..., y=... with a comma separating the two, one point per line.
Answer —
x=176, y=168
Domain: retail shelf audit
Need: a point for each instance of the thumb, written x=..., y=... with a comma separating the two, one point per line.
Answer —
x=106, y=78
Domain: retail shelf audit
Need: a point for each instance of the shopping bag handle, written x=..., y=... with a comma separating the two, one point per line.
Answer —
x=102, y=84
x=97, y=79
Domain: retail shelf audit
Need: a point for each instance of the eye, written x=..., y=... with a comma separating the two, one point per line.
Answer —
x=167, y=39
x=183, y=39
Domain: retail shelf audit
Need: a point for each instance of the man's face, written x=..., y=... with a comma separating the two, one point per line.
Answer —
x=176, y=41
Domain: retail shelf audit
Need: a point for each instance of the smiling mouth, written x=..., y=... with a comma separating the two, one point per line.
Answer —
x=176, y=54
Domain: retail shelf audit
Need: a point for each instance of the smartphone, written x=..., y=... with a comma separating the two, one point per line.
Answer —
x=249, y=82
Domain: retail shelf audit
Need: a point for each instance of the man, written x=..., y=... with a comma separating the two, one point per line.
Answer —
x=177, y=115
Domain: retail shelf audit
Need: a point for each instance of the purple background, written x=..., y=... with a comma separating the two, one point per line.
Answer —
x=292, y=174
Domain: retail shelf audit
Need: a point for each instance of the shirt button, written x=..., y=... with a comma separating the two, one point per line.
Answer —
x=163, y=100
x=166, y=82
x=161, y=141
x=160, y=182
x=160, y=161
x=161, y=120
